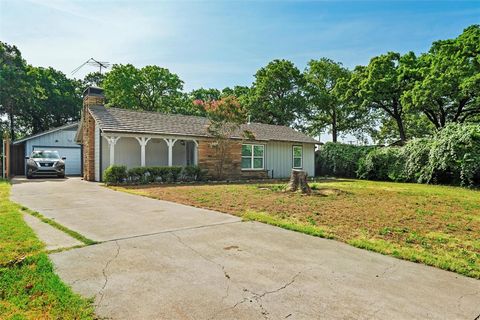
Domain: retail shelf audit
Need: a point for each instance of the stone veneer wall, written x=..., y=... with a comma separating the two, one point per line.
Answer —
x=207, y=160
x=88, y=137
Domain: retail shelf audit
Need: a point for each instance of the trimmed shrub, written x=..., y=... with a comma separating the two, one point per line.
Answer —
x=339, y=160
x=139, y=175
x=192, y=173
x=115, y=174
x=174, y=173
x=143, y=175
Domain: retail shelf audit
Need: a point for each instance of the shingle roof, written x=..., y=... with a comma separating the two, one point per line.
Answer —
x=131, y=121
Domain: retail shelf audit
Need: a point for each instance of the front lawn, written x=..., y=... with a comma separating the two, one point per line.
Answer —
x=29, y=288
x=435, y=225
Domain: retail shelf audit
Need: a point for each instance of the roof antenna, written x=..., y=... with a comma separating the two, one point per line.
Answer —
x=94, y=63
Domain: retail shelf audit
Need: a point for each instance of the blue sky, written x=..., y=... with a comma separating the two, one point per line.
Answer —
x=223, y=43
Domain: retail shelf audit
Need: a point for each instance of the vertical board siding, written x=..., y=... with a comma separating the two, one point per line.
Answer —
x=97, y=154
x=61, y=138
x=64, y=142
x=280, y=158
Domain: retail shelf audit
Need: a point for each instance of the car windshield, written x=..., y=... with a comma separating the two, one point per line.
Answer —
x=45, y=155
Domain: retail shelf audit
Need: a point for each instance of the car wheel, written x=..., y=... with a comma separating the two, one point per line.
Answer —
x=62, y=176
x=29, y=176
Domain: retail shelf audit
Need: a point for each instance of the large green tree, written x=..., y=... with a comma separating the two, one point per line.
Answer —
x=326, y=82
x=14, y=88
x=380, y=85
x=54, y=100
x=94, y=79
x=150, y=88
x=205, y=94
x=277, y=94
x=449, y=88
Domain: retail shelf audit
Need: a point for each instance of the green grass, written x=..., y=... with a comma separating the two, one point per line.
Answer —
x=287, y=224
x=29, y=288
x=60, y=227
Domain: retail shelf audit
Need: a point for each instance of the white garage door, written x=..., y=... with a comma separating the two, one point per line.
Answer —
x=73, y=155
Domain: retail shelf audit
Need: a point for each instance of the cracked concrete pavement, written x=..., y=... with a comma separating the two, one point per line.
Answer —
x=206, y=265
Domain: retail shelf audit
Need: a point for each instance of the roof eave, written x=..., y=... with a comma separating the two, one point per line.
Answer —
x=70, y=125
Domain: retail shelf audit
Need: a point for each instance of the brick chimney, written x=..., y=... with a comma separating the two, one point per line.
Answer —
x=92, y=96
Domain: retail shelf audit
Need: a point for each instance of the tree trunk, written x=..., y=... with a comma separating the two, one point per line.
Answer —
x=401, y=128
x=334, y=128
x=298, y=181
x=12, y=128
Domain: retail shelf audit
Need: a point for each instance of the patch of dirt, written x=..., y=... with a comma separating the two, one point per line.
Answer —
x=232, y=247
x=328, y=192
x=315, y=190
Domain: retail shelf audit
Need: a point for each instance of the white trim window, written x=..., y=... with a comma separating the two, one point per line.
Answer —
x=253, y=157
x=297, y=157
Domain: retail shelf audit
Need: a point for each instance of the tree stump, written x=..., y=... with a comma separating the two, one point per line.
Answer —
x=298, y=181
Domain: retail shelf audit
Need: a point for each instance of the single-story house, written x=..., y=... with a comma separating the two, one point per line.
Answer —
x=61, y=139
x=138, y=138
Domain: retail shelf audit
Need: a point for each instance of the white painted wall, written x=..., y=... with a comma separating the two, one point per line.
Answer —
x=279, y=158
x=127, y=152
x=156, y=153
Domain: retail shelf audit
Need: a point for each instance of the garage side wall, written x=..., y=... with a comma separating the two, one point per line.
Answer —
x=64, y=142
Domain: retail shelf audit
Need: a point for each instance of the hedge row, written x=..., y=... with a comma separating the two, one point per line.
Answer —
x=452, y=156
x=339, y=160
x=142, y=175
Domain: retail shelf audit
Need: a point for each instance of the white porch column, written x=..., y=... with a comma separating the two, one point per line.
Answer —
x=195, y=153
x=170, y=143
x=111, y=143
x=143, y=143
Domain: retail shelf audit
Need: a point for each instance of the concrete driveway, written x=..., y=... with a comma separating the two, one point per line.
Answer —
x=160, y=260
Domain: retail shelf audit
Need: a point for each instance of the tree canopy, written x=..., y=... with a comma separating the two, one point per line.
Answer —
x=150, y=88
x=277, y=95
x=325, y=92
x=394, y=97
x=449, y=86
x=54, y=101
x=34, y=99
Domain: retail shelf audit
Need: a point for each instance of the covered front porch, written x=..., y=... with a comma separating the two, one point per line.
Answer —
x=133, y=150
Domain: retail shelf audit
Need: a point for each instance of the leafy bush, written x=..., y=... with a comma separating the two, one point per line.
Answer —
x=192, y=173
x=115, y=174
x=174, y=173
x=383, y=164
x=143, y=175
x=140, y=175
x=416, y=156
x=452, y=156
x=455, y=156
x=339, y=160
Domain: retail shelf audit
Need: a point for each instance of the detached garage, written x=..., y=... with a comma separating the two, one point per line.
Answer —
x=61, y=139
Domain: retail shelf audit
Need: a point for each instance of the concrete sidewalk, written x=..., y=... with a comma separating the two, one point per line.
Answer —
x=52, y=237
x=208, y=265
